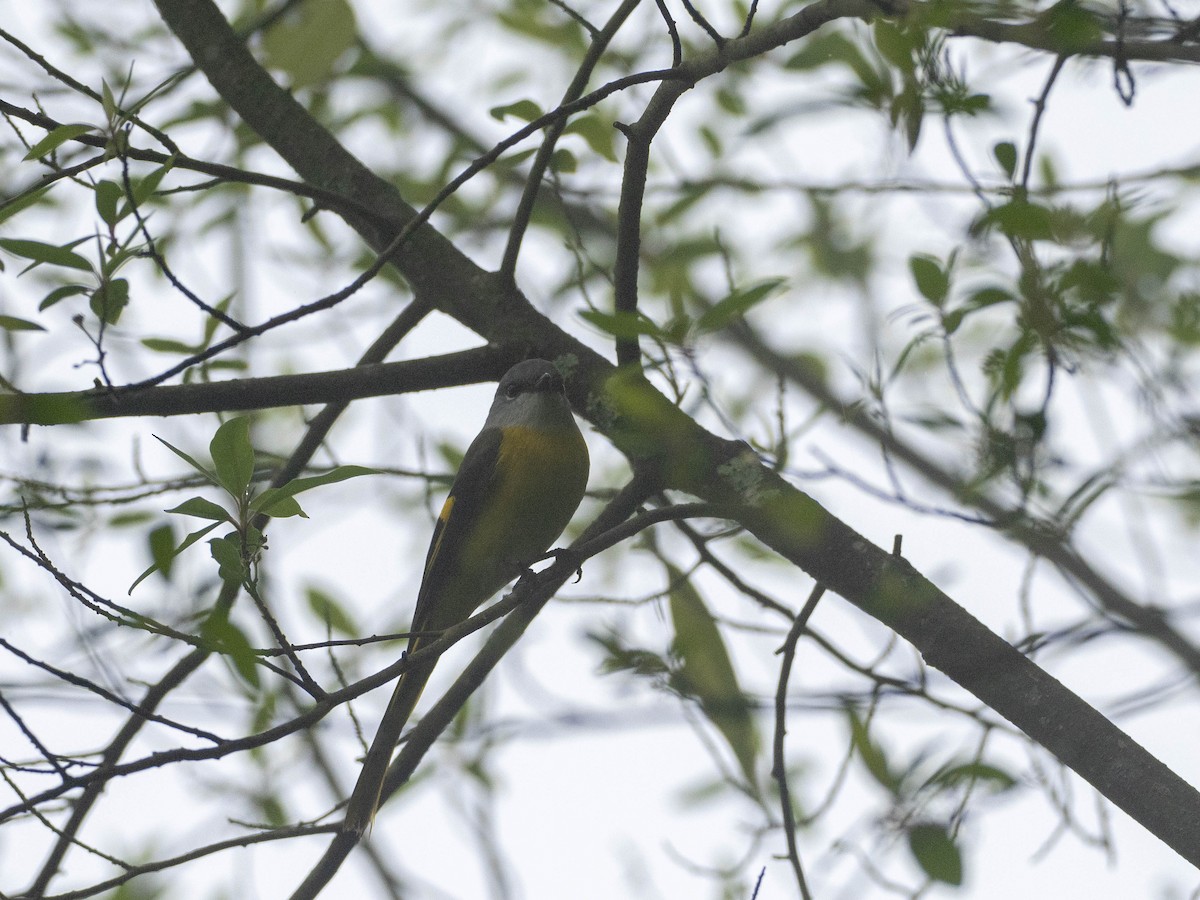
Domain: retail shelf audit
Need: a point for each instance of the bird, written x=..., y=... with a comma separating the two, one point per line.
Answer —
x=519, y=484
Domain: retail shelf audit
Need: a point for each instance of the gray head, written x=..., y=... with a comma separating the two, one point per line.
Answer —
x=531, y=393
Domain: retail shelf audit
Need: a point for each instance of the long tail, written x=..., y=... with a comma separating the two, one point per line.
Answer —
x=360, y=808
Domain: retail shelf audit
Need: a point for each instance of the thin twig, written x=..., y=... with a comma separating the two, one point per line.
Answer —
x=779, y=767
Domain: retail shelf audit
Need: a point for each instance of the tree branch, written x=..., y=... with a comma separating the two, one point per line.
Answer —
x=343, y=385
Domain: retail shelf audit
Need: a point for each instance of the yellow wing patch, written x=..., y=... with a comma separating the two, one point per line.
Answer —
x=440, y=528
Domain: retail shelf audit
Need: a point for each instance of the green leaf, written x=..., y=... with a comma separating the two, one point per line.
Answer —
x=827, y=47
x=908, y=109
x=563, y=160
x=1021, y=219
x=49, y=409
x=952, y=320
x=520, y=156
x=107, y=101
x=144, y=188
x=622, y=324
x=936, y=853
x=191, y=462
x=12, y=323
x=707, y=672
x=1071, y=27
x=1006, y=155
x=161, y=541
x=932, y=282
x=202, y=509
x=56, y=139
x=211, y=323
x=308, y=43
x=598, y=133
x=61, y=293
x=895, y=45
x=271, y=496
x=736, y=304
x=223, y=637
x=329, y=611
x=871, y=753
x=132, y=517
x=109, y=300
x=990, y=296
x=14, y=206
x=166, y=345
x=525, y=110
x=187, y=542
x=231, y=565
x=278, y=505
x=233, y=456
x=45, y=253
x=999, y=779
x=108, y=196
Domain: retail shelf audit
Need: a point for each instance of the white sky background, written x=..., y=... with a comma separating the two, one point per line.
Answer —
x=596, y=811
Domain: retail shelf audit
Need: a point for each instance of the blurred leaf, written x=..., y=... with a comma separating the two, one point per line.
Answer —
x=211, y=323
x=329, y=611
x=894, y=44
x=12, y=323
x=525, y=110
x=597, y=132
x=308, y=42
x=187, y=542
x=932, y=282
x=624, y=325
x=990, y=296
x=825, y=47
x=166, y=345
x=272, y=811
x=936, y=853
x=707, y=672
x=161, y=541
x=976, y=772
x=46, y=253
x=731, y=101
x=233, y=456
x=1070, y=26
x=132, y=517
x=47, y=409
x=1005, y=153
x=908, y=111
x=223, y=637
x=736, y=304
x=56, y=139
x=871, y=753
x=1021, y=219
x=12, y=207
x=620, y=657
x=542, y=23
x=563, y=160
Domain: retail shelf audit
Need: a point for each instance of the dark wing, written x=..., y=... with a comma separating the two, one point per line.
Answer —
x=467, y=495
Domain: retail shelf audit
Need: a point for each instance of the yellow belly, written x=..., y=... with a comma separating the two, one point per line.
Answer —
x=541, y=476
